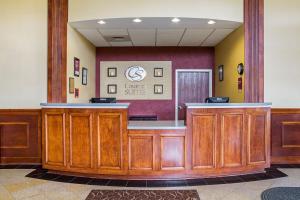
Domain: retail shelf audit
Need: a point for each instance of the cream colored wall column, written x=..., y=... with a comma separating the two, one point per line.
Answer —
x=23, y=53
x=282, y=52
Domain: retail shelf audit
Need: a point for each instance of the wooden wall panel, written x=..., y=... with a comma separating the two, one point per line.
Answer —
x=54, y=138
x=204, y=141
x=81, y=145
x=285, y=136
x=110, y=141
x=257, y=140
x=172, y=152
x=141, y=152
x=232, y=147
x=290, y=134
x=20, y=139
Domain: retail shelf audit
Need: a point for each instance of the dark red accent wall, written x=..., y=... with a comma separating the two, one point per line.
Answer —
x=181, y=57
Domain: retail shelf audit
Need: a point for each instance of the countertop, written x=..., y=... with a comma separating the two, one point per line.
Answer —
x=85, y=105
x=157, y=125
x=227, y=105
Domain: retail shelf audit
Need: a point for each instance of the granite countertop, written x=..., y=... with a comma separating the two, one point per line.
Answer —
x=84, y=105
x=156, y=125
x=227, y=105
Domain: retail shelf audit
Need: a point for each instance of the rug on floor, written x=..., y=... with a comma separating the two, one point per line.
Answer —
x=143, y=195
x=281, y=193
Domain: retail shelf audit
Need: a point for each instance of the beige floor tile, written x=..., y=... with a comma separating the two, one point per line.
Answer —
x=14, y=186
x=4, y=194
x=23, y=185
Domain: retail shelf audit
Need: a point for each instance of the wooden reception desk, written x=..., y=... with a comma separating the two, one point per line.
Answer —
x=98, y=140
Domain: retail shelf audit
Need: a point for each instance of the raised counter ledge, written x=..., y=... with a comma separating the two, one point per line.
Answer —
x=85, y=105
x=228, y=105
x=156, y=125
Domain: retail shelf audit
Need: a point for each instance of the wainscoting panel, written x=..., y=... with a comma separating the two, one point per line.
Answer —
x=20, y=136
x=285, y=136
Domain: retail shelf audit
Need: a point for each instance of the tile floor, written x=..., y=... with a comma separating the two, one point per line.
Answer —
x=14, y=185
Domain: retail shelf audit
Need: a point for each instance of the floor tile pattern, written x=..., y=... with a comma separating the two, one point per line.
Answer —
x=14, y=185
x=270, y=173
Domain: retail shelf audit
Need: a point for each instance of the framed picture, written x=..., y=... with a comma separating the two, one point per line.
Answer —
x=112, y=72
x=158, y=89
x=221, y=72
x=158, y=72
x=76, y=92
x=84, y=76
x=76, y=67
x=71, y=85
x=112, y=89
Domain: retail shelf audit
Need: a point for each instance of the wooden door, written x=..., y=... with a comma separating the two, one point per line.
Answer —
x=192, y=87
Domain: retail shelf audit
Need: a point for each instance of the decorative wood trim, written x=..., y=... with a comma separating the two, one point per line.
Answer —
x=283, y=133
x=71, y=135
x=57, y=50
x=46, y=140
x=285, y=111
x=140, y=136
x=254, y=50
x=121, y=132
x=223, y=134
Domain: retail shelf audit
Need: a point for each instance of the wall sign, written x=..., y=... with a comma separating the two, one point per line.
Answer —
x=136, y=80
x=135, y=73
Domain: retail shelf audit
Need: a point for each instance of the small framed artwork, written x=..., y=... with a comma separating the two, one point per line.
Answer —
x=112, y=72
x=158, y=89
x=221, y=72
x=158, y=72
x=76, y=92
x=84, y=76
x=112, y=89
x=76, y=67
x=71, y=85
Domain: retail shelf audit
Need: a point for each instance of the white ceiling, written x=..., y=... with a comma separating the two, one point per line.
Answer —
x=155, y=32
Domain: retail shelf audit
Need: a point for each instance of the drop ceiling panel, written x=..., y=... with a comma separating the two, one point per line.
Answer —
x=113, y=32
x=168, y=37
x=121, y=44
x=216, y=37
x=142, y=37
x=195, y=37
x=94, y=37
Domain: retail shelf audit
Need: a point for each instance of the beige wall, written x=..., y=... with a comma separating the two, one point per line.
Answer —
x=23, y=53
x=98, y=9
x=80, y=48
x=282, y=52
x=230, y=52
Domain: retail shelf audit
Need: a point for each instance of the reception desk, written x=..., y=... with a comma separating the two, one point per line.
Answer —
x=98, y=140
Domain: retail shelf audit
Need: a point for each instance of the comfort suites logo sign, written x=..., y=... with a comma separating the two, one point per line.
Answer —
x=136, y=80
x=135, y=73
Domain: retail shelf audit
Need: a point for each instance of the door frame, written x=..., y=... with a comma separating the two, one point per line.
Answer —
x=177, y=71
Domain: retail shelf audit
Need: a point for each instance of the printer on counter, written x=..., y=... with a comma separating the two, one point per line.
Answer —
x=103, y=100
x=217, y=100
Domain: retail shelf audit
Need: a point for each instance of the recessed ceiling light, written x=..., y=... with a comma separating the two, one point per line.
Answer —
x=175, y=20
x=137, y=20
x=211, y=22
x=101, y=22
